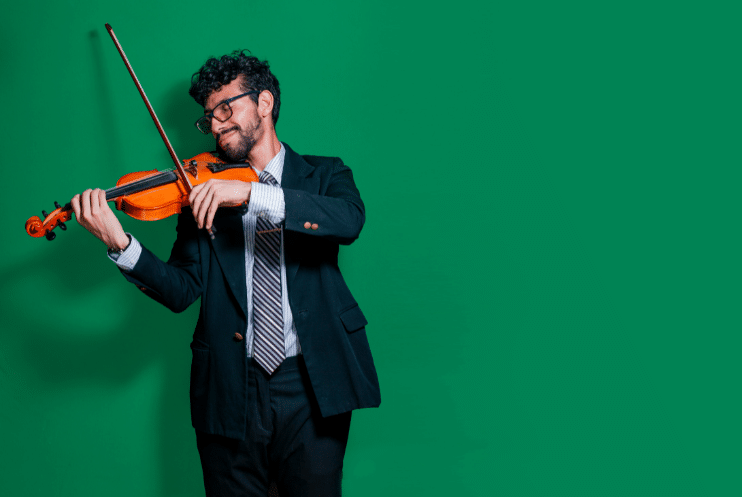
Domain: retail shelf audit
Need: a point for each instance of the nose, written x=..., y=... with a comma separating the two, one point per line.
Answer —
x=217, y=125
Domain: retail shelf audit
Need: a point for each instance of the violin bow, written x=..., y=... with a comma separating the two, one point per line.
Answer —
x=178, y=165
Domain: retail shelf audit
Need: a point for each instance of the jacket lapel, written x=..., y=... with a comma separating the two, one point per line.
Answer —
x=296, y=176
x=229, y=247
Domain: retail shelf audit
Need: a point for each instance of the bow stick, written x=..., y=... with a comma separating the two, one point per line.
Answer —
x=178, y=165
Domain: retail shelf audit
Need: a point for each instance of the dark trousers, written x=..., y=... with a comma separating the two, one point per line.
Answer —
x=288, y=443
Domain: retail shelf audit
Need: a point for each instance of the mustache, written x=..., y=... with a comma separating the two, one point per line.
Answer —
x=219, y=135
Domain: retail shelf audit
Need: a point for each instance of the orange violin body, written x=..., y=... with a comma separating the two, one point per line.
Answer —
x=164, y=201
x=150, y=195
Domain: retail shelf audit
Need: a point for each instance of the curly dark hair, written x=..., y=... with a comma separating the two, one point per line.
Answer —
x=216, y=73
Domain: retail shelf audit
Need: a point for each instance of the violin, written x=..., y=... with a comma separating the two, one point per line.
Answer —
x=149, y=195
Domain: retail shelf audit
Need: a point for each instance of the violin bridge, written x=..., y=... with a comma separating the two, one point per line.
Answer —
x=191, y=167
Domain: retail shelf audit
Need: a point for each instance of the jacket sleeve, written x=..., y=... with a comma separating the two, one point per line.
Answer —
x=339, y=212
x=177, y=283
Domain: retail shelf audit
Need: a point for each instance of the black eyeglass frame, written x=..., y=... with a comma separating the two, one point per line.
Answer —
x=205, y=120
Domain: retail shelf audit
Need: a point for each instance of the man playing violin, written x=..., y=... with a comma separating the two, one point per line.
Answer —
x=280, y=354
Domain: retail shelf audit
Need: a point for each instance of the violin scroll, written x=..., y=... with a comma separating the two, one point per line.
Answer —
x=36, y=227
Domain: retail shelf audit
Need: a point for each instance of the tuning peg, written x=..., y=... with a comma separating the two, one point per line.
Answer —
x=62, y=226
x=50, y=235
x=44, y=213
x=56, y=204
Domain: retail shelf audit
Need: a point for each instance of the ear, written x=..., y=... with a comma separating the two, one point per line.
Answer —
x=265, y=104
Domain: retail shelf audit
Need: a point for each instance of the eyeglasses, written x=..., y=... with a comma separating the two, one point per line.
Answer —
x=221, y=113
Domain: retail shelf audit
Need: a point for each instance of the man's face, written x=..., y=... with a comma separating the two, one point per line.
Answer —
x=238, y=134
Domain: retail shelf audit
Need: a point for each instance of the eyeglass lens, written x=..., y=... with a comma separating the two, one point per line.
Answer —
x=222, y=112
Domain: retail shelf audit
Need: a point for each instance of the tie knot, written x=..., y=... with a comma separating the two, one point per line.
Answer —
x=267, y=178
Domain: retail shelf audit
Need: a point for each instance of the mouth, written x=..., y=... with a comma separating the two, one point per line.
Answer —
x=221, y=136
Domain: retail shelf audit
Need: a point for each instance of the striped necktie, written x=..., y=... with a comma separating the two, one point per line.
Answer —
x=268, y=345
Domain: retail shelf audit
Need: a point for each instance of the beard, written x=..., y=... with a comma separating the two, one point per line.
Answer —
x=239, y=150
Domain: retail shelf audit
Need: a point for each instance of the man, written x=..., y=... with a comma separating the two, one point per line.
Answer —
x=280, y=355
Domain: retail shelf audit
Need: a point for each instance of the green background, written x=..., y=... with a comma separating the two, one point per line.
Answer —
x=550, y=263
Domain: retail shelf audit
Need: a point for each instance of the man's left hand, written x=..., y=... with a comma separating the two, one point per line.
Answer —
x=207, y=197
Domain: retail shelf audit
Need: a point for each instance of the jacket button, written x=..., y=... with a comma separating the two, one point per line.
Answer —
x=315, y=226
x=307, y=225
x=237, y=337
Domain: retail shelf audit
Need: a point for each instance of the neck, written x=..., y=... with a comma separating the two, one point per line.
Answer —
x=264, y=151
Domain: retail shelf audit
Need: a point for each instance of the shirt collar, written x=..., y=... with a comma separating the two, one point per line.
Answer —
x=275, y=165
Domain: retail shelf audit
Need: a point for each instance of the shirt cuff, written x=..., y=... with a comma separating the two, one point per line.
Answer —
x=127, y=259
x=268, y=202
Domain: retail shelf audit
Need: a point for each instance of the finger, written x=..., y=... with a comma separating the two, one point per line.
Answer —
x=202, y=203
x=95, y=202
x=194, y=193
x=85, y=205
x=75, y=203
x=205, y=207
x=102, y=202
x=213, y=206
x=196, y=199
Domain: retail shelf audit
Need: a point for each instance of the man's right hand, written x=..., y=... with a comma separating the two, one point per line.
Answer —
x=94, y=214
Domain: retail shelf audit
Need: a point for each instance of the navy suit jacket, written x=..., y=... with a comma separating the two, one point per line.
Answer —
x=329, y=323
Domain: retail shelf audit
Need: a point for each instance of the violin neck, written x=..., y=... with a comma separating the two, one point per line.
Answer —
x=160, y=179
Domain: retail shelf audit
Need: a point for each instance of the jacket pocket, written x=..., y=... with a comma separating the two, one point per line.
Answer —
x=353, y=319
x=198, y=344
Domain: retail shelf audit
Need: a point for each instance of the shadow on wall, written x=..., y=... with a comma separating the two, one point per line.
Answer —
x=72, y=322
